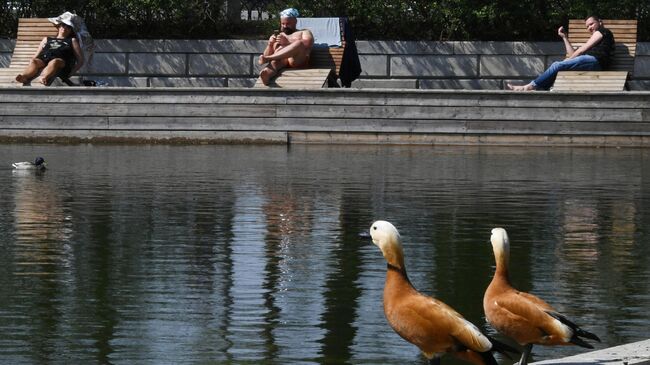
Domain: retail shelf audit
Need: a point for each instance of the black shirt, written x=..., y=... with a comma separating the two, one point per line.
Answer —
x=57, y=48
x=604, y=49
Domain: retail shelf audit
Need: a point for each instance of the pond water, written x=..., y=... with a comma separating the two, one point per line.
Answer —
x=251, y=254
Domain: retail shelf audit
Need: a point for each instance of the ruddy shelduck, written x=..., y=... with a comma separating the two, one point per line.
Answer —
x=431, y=325
x=524, y=317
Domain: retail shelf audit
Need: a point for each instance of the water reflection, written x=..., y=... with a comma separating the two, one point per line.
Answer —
x=235, y=254
x=41, y=226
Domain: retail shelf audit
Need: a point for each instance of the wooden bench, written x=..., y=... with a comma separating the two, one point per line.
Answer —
x=621, y=66
x=322, y=71
x=31, y=32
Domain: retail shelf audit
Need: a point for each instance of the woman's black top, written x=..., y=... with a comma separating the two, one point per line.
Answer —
x=604, y=49
x=58, y=48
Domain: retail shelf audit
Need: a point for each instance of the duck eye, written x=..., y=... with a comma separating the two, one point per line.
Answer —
x=375, y=228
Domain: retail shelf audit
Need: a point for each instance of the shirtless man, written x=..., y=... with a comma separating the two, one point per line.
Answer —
x=289, y=48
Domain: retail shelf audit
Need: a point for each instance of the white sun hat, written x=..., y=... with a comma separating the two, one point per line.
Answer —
x=77, y=23
x=66, y=18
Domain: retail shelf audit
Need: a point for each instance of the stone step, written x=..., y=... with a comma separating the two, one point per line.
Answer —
x=636, y=353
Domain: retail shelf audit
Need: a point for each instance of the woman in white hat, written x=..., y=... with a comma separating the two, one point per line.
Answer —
x=60, y=55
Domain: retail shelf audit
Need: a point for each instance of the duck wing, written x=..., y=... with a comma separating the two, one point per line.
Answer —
x=525, y=318
x=22, y=165
x=435, y=327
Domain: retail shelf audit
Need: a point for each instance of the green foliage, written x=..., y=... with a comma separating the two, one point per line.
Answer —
x=497, y=20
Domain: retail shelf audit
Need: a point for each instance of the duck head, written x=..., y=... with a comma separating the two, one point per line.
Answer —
x=39, y=161
x=501, y=247
x=385, y=236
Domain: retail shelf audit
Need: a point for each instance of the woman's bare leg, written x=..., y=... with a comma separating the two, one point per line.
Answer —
x=35, y=66
x=51, y=70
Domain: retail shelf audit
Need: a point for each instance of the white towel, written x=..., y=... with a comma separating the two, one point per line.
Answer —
x=326, y=31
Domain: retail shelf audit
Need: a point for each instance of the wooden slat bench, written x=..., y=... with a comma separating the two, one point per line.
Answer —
x=323, y=70
x=622, y=63
x=31, y=32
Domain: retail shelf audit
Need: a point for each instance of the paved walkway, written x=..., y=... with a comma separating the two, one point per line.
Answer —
x=637, y=353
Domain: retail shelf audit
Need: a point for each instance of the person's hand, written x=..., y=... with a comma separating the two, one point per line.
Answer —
x=272, y=39
x=561, y=32
x=282, y=39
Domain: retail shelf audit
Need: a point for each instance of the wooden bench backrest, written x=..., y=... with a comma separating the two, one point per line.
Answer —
x=30, y=34
x=328, y=57
x=624, y=35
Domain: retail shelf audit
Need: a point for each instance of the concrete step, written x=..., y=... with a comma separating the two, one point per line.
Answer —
x=636, y=353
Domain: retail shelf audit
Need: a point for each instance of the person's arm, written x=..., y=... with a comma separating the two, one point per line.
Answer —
x=78, y=55
x=307, y=38
x=270, y=46
x=40, y=48
x=567, y=44
x=592, y=41
x=304, y=36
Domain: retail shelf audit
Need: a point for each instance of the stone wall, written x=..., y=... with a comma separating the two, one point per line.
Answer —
x=385, y=64
x=374, y=116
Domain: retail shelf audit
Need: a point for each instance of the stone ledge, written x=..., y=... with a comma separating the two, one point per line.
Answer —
x=241, y=81
x=187, y=82
x=432, y=66
x=639, y=85
x=643, y=49
x=508, y=48
x=404, y=47
x=106, y=64
x=130, y=45
x=7, y=45
x=385, y=84
x=636, y=353
x=223, y=46
x=462, y=84
x=642, y=67
x=157, y=64
x=117, y=81
x=374, y=65
x=219, y=64
x=511, y=66
x=5, y=59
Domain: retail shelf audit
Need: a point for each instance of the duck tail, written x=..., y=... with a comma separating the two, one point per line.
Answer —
x=488, y=358
x=475, y=357
x=503, y=349
x=577, y=331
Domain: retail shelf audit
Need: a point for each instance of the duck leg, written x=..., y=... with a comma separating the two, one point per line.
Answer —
x=524, y=355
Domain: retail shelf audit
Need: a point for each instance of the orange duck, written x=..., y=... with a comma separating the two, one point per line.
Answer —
x=431, y=325
x=521, y=316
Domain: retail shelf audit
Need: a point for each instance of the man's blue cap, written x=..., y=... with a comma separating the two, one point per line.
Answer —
x=289, y=13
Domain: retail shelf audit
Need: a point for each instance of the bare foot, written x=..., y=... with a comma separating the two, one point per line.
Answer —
x=267, y=74
x=527, y=87
x=262, y=60
x=43, y=80
x=21, y=79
